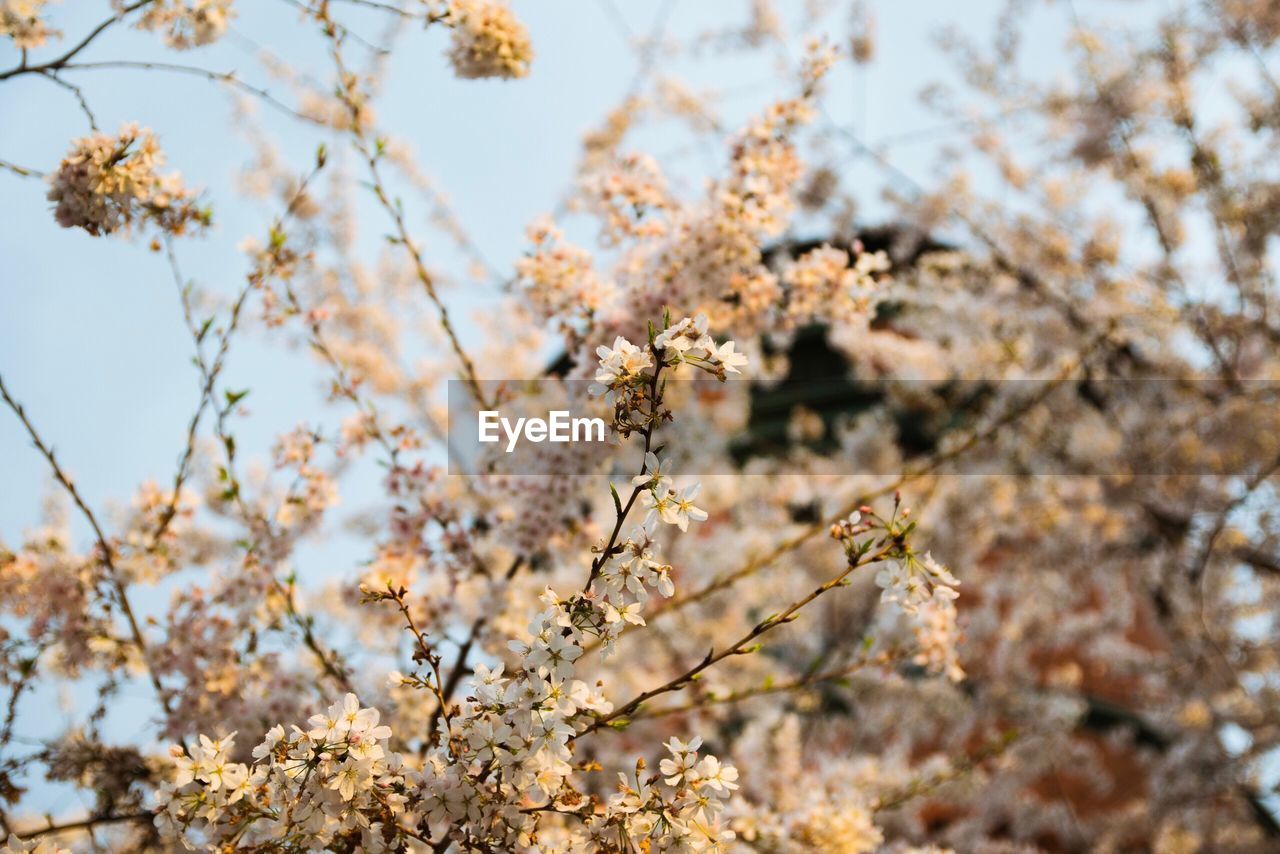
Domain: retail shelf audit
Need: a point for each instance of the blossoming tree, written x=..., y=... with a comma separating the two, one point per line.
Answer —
x=1022, y=596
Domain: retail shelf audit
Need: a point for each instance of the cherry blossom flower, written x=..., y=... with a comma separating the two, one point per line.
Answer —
x=488, y=41
x=20, y=20
x=186, y=23
x=622, y=363
x=110, y=183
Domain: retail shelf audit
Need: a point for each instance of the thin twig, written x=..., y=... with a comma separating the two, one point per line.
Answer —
x=394, y=210
x=114, y=575
x=651, y=425
x=61, y=61
x=802, y=681
x=228, y=77
x=77, y=93
x=460, y=663
x=86, y=824
x=742, y=645
x=24, y=171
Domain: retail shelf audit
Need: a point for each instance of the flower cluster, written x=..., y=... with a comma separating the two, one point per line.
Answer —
x=675, y=810
x=923, y=592
x=662, y=500
x=557, y=277
x=503, y=758
x=688, y=343
x=107, y=183
x=837, y=827
x=708, y=255
x=685, y=343
x=938, y=636
x=821, y=284
x=488, y=41
x=624, y=583
x=914, y=581
x=629, y=376
x=49, y=587
x=916, y=587
x=313, y=490
x=20, y=20
x=519, y=731
x=622, y=365
x=187, y=23
x=629, y=197
x=332, y=782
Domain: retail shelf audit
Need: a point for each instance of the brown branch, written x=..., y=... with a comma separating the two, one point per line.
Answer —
x=759, y=562
x=228, y=77
x=329, y=660
x=460, y=663
x=958, y=769
x=651, y=424
x=61, y=61
x=85, y=824
x=742, y=645
x=805, y=681
x=114, y=575
x=359, y=138
x=24, y=171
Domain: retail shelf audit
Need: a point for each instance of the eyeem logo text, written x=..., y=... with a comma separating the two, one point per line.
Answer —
x=557, y=427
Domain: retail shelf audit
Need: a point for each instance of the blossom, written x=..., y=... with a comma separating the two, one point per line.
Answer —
x=654, y=472
x=557, y=277
x=629, y=613
x=268, y=745
x=488, y=683
x=677, y=508
x=711, y=772
x=937, y=636
x=682, y=763
x=343, y=751
x=488, y=41
x=550, y=652
x=838, y=828
x=725, y=357
x=690, y=334
x=823, y=284
x=1072, y=589
x=621, y=363
x=106, y=183
x=688, y=342
x=629, y=196
x=20, y=20
x=910, y=582
x=186, y=23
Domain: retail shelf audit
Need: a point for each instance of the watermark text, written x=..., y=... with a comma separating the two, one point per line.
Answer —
x=558, y=426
